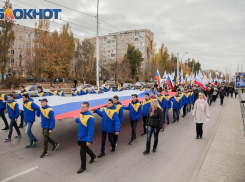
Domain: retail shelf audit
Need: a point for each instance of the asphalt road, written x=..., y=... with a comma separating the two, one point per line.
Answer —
x=177, y=154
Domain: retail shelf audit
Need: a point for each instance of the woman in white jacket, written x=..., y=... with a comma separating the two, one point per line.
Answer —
x=200, y=113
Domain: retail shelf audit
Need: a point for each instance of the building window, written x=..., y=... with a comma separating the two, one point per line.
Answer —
x=109, y=42
x=28, y=36
x=137, y=33
x=136, y=39
x=12, y=61
x=28, y=45
x=12, y=43
x=20, y=37
x=113, y=55
x=27, y=53
x=20, y=46
x=12, y=51
x=132, y=40
x=122, y=41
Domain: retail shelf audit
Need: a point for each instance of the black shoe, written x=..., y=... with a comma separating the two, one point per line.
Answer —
x=200, y=137
x=173, y=122
x=131, y=142
x=168, y=122
x=135, y=139
x=101, y=155
x=55, y=146
x=92, y=160
x=177, y=120
x=113, y=149
x=144, y=134
x=183, y=116
x=44, y=154
x=154, y=150
x=80, y=171
x=6, y=128
x=146, y=152
x=197, y=137
x=20, y=126
x=18, y=136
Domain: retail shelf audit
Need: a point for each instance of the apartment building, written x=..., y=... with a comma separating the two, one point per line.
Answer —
x=20, y=52
x=113, y=46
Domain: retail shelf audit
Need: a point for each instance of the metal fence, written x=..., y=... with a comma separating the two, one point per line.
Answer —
x=242, y=105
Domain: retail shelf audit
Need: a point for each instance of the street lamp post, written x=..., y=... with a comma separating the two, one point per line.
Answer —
x=178, y=64
x=97, y=46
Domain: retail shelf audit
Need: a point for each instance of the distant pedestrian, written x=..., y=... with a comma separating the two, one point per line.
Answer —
x=75, y=83
x=222, y=94
x=154, y=124
x=200, y=114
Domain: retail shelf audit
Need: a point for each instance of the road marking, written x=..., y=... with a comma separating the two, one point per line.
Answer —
x=19, y=174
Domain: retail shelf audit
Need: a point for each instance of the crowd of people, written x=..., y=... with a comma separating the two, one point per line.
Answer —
x=154, y=110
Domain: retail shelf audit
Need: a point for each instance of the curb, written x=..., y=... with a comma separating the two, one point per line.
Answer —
x=203, y=156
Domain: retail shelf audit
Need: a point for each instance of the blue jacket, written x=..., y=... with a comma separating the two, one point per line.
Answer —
x=189, y=98
x=83, y=91
x=3, y=97
x=160, y=101
x=107, y=88
x=96, y=92
x=75, y=93
x=192, y=97
x=131, y=88
x=119, y=110
x=60, y=93
x=29, y=111
x=135, y=110
x=146, y=105
x=51, y=93
x=177, y=102
x=185, y=98
x=110, y=121
x=40, y=94
x=22, y=93
x=85, y=127
x=144, y=89
x=13, y=109
x=119, y=89
x=47, y=117
x=166, y=101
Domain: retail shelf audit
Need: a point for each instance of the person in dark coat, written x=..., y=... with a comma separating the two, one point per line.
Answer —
x=154, y=124
x=222, y=94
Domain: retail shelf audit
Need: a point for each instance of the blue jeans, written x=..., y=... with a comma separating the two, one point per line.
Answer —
x=4, y=118
x=29, y=133
x=165, y=112
x=176, y=114
x=150, y=130
x=210, y=96
x=11, y=125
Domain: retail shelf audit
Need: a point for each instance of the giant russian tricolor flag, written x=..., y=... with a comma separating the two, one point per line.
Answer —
x=68, y=107
x=169, y=82
x=200, y=83
x=158, y=78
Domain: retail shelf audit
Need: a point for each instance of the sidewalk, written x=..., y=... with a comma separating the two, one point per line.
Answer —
x=223, y=159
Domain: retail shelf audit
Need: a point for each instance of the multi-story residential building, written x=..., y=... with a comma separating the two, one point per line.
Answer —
x=114, y=46
x=21, y=49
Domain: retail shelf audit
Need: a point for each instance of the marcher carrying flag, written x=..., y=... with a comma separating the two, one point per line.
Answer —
x=169, y=82
x=157, y=77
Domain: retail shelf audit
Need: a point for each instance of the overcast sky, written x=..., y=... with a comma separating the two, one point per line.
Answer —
x=212, y=31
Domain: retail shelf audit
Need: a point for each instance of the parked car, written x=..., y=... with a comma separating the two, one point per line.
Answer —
x=87, y=86
x=112, y=85
x=31, y=89
x=30, y=79
x=126, y=86
x=139, y=84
